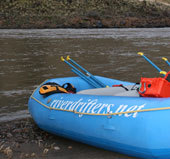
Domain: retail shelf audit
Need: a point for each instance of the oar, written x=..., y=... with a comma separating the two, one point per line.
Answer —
x=166, y=60
x=160, y=71
x=84, y=78
x=80, y=74
x=87, y=73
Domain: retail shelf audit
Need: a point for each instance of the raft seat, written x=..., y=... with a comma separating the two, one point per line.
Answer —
x=111, y=91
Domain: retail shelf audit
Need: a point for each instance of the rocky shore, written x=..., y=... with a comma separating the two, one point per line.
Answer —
x=84, y=13
x=22, y=139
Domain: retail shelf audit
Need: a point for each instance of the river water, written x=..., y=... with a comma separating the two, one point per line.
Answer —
x=28, y=57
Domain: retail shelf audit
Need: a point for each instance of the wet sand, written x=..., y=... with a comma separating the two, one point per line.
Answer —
x=23, y=139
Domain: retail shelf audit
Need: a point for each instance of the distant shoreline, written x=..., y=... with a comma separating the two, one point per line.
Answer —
x=53, y=14
x=138, y=23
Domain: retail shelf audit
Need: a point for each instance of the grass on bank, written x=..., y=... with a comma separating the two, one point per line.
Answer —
x=59, y=13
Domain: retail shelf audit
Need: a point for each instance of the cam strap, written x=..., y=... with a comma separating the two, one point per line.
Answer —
x=120, y=85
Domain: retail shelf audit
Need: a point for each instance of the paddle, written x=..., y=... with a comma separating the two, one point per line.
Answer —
x=80, y=74
x=87, y=73
x=160, y=71
x=166, y=60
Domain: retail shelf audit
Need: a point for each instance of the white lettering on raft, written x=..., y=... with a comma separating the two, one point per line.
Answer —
x=94, y=107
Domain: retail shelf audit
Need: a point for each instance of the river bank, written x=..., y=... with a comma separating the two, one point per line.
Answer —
x=22, y=139
x=83, y=14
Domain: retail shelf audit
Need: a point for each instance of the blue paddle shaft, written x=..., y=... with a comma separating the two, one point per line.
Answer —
x=84, y=78
x=88, y=73
x=168, y=62
x=82, y=75
x=151, y=63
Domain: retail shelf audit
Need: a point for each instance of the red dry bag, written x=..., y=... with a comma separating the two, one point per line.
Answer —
x=155, y=87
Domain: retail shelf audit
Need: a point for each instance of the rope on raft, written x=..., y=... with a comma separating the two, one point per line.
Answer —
x=126, y=112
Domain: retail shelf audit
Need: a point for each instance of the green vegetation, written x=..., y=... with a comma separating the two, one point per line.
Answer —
x=83, y=13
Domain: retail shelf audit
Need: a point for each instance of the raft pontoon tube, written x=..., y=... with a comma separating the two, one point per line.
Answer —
x=111, y=118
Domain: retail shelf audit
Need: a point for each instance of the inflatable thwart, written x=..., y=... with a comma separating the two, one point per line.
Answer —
x=116, y=115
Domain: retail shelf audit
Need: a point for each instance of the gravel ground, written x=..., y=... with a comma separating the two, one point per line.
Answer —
x=23, y=139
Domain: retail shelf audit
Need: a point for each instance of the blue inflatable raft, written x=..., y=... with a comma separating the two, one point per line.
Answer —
x=111, y=118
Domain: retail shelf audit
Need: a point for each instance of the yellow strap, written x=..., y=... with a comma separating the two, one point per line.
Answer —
x=62, y=89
